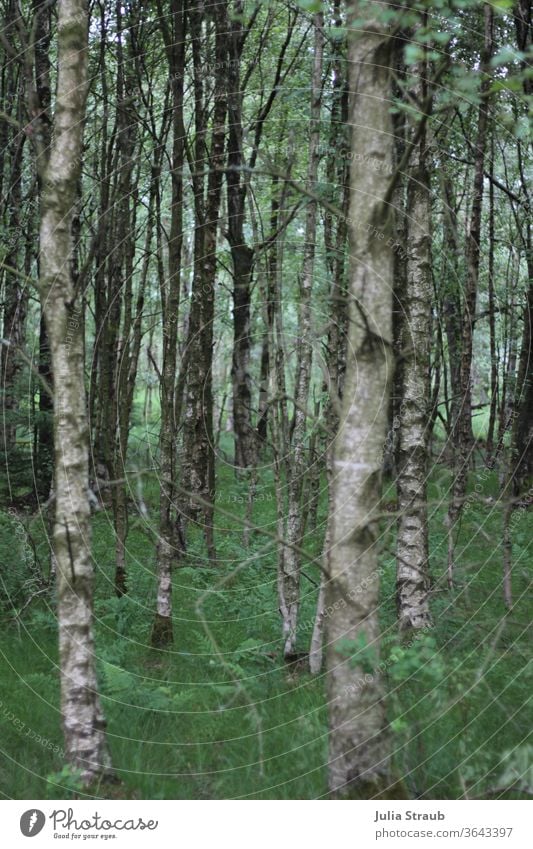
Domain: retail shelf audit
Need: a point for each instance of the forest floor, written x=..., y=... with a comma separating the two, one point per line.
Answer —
x=221, y=716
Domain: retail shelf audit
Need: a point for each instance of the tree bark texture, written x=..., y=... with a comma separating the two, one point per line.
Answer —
x=83, y=721
x=412, y=545
x=358, y=748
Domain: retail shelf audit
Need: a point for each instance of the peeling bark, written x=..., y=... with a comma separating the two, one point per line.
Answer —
x=412, y=545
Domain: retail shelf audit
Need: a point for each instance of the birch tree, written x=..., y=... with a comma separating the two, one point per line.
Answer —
x=289, y=584
x=463, y=434
x=412, y=546
x=174, y=35
x=198, y=470
x=358, y=747
x=242, y=254
x=335, y=238
x=83, y=721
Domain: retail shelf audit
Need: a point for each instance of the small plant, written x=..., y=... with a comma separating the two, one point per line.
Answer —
x=420, y=660
x=359, y=653
x=68, y=778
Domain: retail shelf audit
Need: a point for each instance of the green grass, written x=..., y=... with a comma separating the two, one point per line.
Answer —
x=220, y=716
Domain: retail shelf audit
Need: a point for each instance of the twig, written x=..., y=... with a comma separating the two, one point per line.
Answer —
x=28, y=602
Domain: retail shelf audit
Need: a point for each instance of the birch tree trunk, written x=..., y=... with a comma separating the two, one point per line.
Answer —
x=83, y=721
x=242, y=254
x=170, y=298
x=270, y=307
x=198, y=470
x=463, y=436
x=335, y=243
x=520, y=468
x=123, y=252
x=451, y=302
x=297, y=465
x=358, y=746
x=412, y=546
x=494, y=358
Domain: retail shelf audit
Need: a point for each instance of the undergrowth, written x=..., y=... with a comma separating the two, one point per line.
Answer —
x=219, y=715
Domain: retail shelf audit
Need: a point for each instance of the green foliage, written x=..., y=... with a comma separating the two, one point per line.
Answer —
x=17, y=476
x=67, y=778
x=19, y=576
x=195, y=722
x=419, y=660
x=312, y=6
x=359, y=653
x=517, y=769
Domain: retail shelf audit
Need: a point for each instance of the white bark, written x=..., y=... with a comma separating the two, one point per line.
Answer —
x=83, y=721
x=412, y=548
x=316, y=649
x=358, y=748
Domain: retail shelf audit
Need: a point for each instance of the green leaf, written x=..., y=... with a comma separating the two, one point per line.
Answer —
x=506, y=55
x=313, y=6
x=413, y=53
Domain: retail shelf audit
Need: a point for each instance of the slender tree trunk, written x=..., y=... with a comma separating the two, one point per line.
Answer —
x=44, y=441
x=268, y=292
x=451, y=303
x=198, y=473
x=520, y=469
x=524, y=397
x=358, y=744
x=114, y=178
x=401, y=126
x=242, y=255
x=508, y=358
x=170, y=297
x=297, y=465
x=463, y=436
x=412, y=544
x=12, y=308
x=83, y=721
x=123, y=254
x=335, y=244
x=15, y=304
x=39, y=97
x=276, y=417
x=492, y=319
x=522, y=14
x=521, y=450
